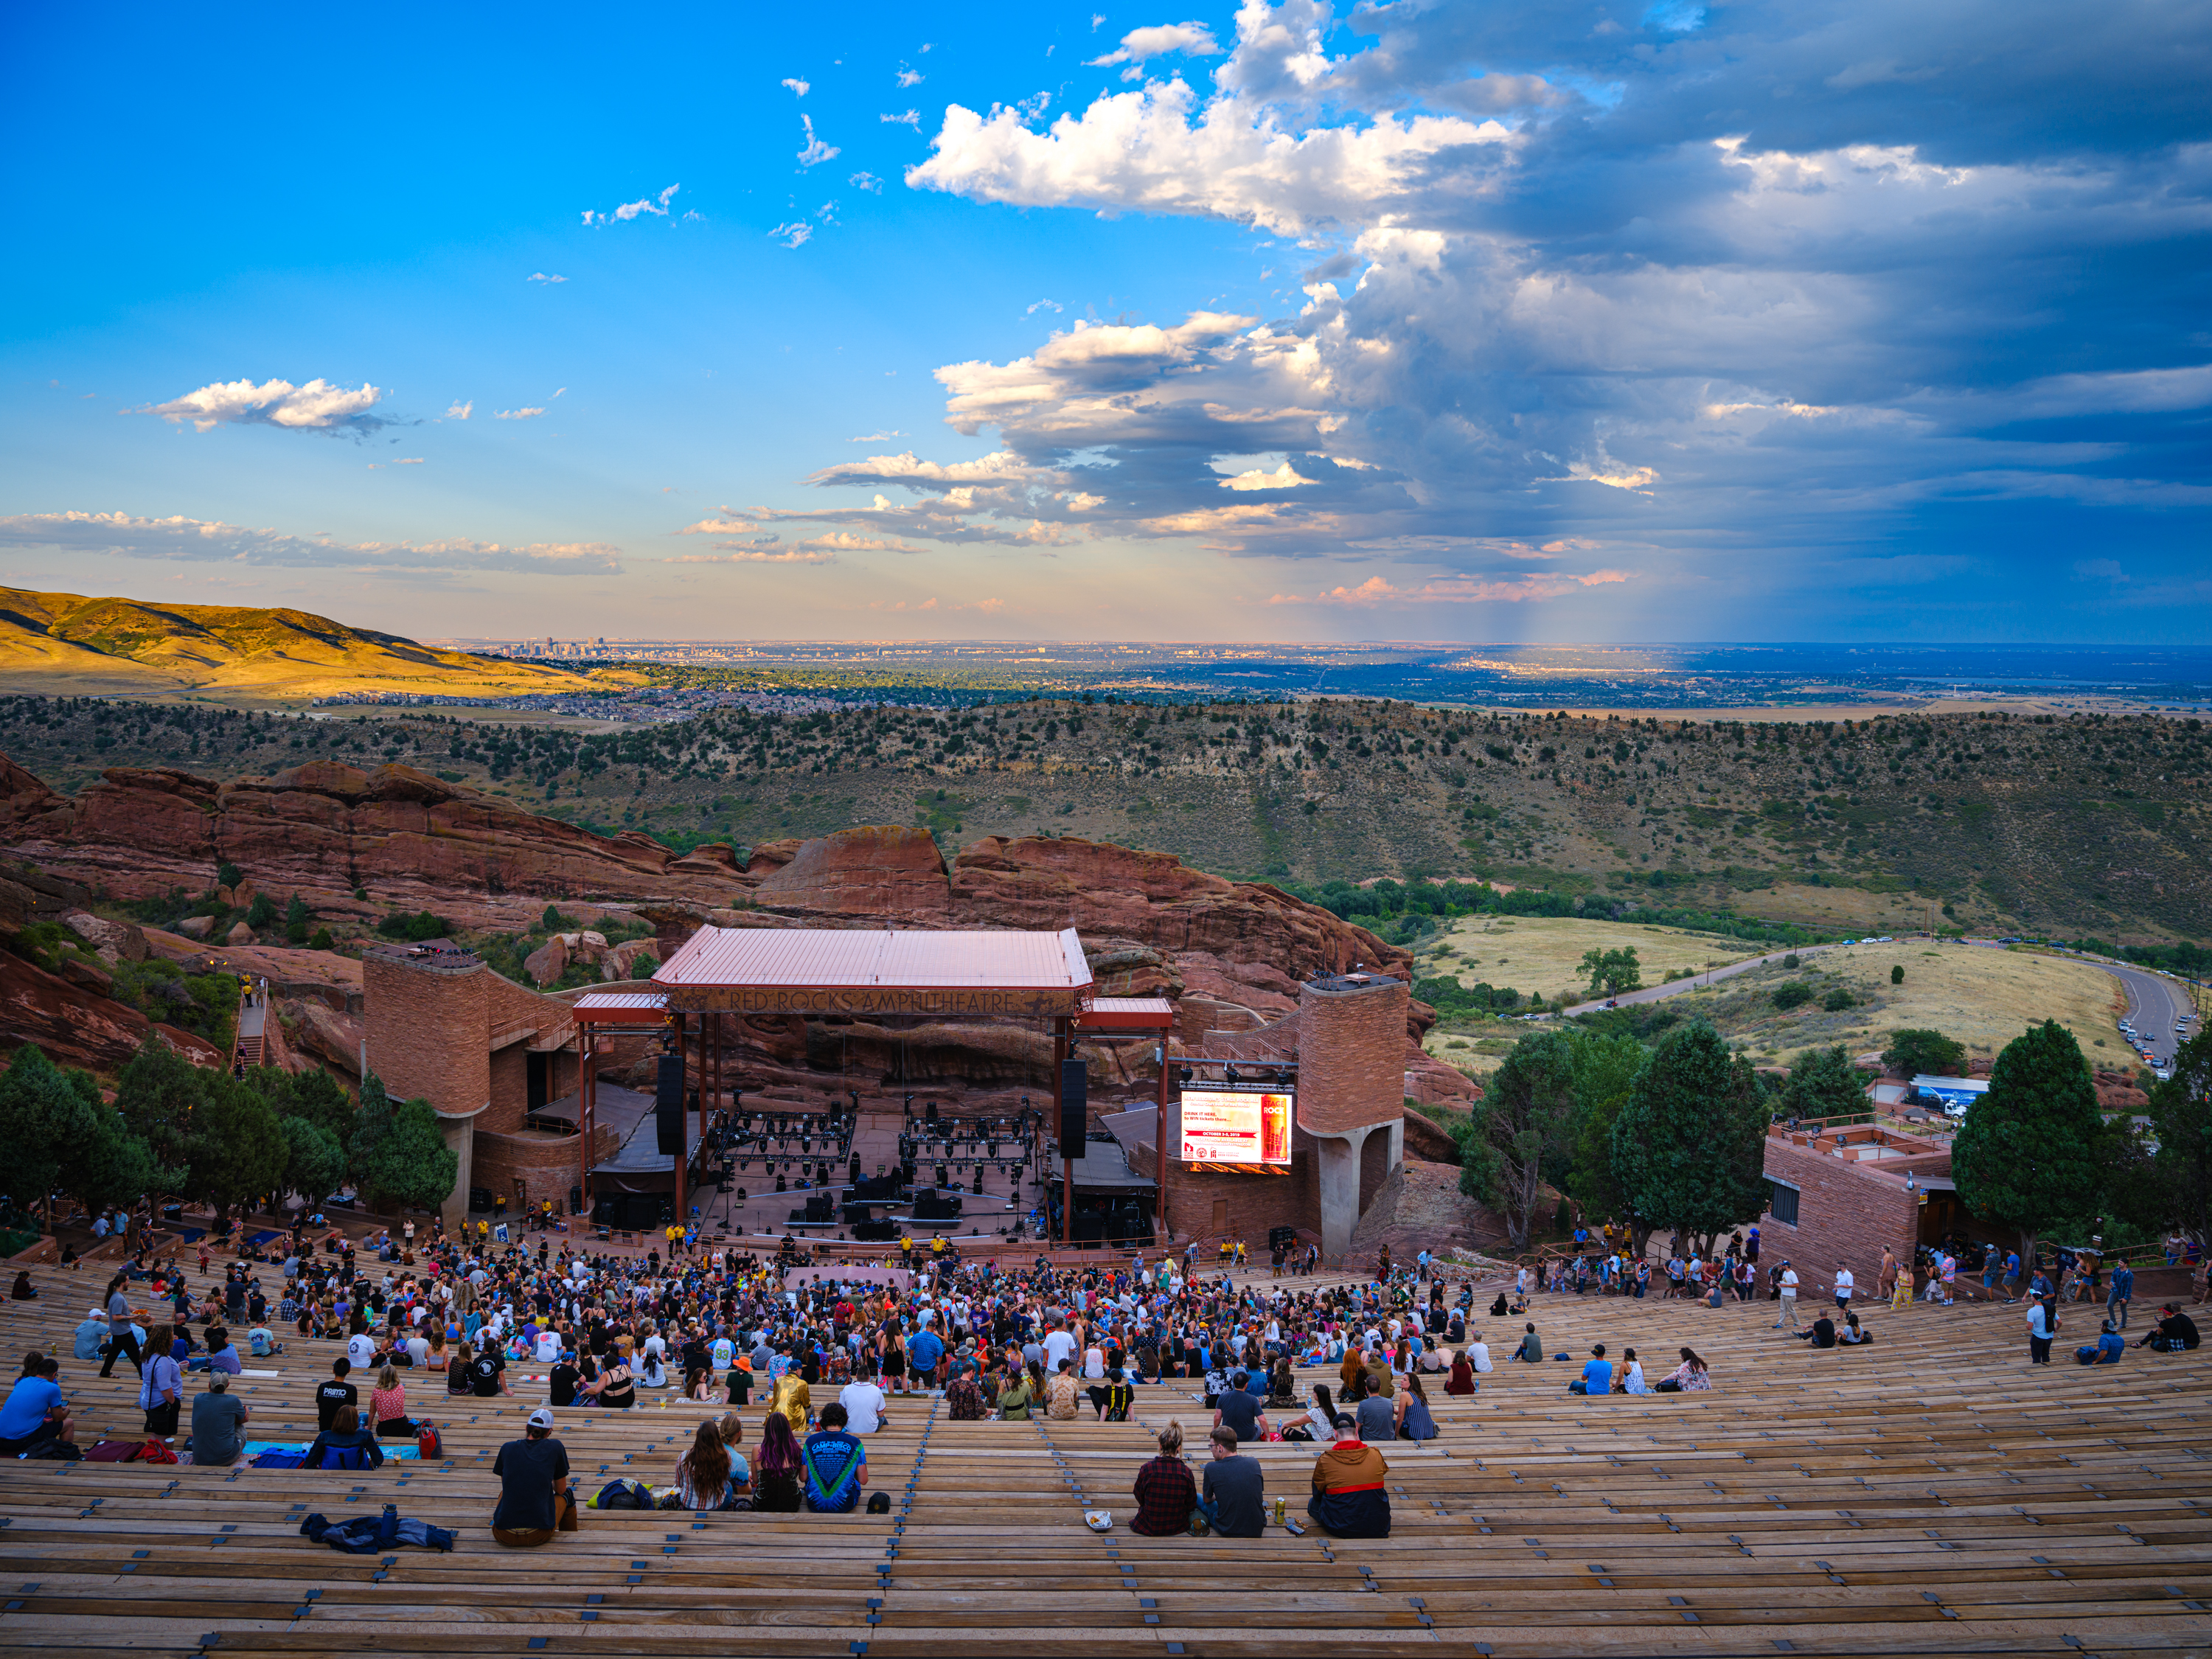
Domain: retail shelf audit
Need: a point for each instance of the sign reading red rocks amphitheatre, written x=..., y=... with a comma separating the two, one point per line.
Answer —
x=869, y=999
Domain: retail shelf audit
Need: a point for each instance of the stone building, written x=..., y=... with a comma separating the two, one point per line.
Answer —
x=1838, y=1196
x=487, y=1053
x=1348, y=1039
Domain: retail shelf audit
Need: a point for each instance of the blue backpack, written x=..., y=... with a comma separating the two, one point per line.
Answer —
x=345, y=1457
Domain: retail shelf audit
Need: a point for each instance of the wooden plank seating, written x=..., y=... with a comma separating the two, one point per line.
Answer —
x=1929, y=1494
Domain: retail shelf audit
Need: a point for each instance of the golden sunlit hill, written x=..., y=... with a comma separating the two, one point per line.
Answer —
x=66, y=644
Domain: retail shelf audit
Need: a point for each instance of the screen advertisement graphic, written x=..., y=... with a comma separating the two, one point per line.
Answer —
x=1247, y=1130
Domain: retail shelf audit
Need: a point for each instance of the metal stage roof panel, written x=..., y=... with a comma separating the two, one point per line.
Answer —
x=840, y=971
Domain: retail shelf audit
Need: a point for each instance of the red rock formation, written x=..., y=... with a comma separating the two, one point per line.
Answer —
x=324, y=829
x=78, y=1027
x=885, y=872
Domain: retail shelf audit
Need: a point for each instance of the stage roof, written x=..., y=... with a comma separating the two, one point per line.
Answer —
x=1136, y=1014
x=840, y=971
x=620, y=1008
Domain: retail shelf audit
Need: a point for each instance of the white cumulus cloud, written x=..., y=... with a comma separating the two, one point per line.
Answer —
x=796, y=86
x=461, y=411
x=1140, y=46
x=816, y=152
x=315, y=406
x=518, y=414
x=644, y=205
x=543, y=276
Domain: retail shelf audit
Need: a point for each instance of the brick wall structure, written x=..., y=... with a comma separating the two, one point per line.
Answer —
x=1352, y=1052
x=427, y=1026
x=1846, y=1212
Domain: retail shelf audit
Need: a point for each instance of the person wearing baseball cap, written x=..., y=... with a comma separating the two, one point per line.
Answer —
x=534, y=1498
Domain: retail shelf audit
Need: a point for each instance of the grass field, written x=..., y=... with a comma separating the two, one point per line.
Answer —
x=1981, y=997
x=1543, y=954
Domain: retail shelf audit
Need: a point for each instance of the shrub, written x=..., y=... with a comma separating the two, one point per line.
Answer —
x=1836, y=1002
x=1790, y=960
x=1897, y=975
x=1792, y=994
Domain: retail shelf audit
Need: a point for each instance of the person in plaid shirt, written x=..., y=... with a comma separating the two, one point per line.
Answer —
x=1165, y=1493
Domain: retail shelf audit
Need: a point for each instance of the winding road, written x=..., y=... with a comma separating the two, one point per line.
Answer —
x=2154, y=1002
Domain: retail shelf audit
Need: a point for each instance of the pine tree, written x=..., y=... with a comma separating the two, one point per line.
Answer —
x=411, y=1165
x=1824, y=1084
x=2028, y=1154
x=2181, y=1125
x=1529, y=1111
x=1689, y=1148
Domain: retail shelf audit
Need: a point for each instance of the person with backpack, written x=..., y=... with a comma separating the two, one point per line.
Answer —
x=345, y=1445
x=534, y=1500
x=836, y=1465
x=161, y=1386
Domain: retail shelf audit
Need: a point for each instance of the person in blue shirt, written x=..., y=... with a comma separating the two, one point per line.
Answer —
x=2106, y=1351
x=35, y=1411
x=90, y=1335
x=836, y=1465
x=2122, y=1293
x=923, y=1349
x=1597, y=1375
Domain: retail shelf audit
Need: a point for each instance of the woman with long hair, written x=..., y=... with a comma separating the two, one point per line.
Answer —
x=1318, y=1425
x=387, y=1405
x=703, y=1474
x=1413, y=1420
x=776, y=1472
x=1691, y=1376
x=1461, y=1380
x=457, y=1375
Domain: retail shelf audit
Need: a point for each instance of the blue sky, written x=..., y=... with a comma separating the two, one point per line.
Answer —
x=1444, y=321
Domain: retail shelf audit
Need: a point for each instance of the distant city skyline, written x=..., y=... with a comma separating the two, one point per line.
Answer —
x=1570, y=321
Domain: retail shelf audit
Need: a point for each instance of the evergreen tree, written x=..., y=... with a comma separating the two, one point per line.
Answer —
x=39, y=1108
x=1689, y=1148
x=2181, y=1127
x=1919, y=1052
x=1529, y=1110
x=371, y=1122
x=2028, y=1154
x=157, y=1091
x=411, y=1165
x=1824, y=1084
x=235, y=1150
x=314, y=1162
x=1605, y=1071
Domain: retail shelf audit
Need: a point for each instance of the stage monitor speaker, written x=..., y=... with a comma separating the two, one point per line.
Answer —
x=668, y=1107
x=606, y=1211
x=857, y=1214
x=820, y=1206
x=1074, y=1107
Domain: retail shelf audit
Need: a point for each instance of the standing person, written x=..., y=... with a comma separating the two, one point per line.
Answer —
x=2122, y=1293
x=122, y=1339
x=1843, y=1286
x=534, y=1501
x=2042, y=1325
x=1787, y=1286
x=160, y=1385
x=218, y=1424
x=1165, y=1493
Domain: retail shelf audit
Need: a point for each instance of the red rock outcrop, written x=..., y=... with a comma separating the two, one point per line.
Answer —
x=877, y=872
x=74, y=1026
x=325, y=828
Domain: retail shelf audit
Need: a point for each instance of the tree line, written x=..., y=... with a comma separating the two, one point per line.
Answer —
x=1673, y=1134
x=234, y=1142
